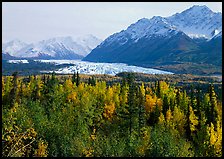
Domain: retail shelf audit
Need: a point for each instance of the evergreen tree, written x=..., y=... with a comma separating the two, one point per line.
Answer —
x=89, y=81
x=165, y=104
x=198, y=105
x=92, y=81
x=192, y=97
x=141, y=108
x=184, y=102
x=131, y=102
x=14, y=91
x=188, y=129
x=97, y=119
x=74, y=78
x=213, y=101
x=158, y=90
x=77, y=79
x=44, y=79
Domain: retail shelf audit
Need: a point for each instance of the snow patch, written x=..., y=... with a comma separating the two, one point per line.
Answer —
x=17, y=61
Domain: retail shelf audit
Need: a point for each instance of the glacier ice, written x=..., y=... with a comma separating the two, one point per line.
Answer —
x=84, y=67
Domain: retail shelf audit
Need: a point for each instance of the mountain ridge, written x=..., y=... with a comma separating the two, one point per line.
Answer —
x=157, y=41
x=53, y=48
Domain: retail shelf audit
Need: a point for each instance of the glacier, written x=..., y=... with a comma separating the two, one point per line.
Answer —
x=17, y=61
x=84, y=67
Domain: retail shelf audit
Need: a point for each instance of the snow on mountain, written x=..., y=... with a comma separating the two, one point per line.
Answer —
x=100, y=68
x=12, y=47
x=217, y=35
x=88, y=42
x=58, y=47
x=156, y=26
x=161, y=40
x=198, y=21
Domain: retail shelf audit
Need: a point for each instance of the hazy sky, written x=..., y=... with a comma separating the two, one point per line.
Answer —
x=34, y=21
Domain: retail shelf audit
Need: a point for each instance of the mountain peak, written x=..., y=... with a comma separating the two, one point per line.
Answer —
x=161, y=40
x=160, y=20
x=197, y=21
x=143, y=20
x=88, y=42
x=156, y=18
x=198, y=9
x=13, y=46
x=202, y=7
x=56, y=47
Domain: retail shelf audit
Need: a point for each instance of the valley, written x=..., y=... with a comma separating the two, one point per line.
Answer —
x=112, y=79
x=182, y=44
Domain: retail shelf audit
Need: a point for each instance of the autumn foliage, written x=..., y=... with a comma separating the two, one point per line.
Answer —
x=66, y=117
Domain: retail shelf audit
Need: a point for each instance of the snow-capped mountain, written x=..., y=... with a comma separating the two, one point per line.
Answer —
x=58, y=47
x=198, y=21
x=147, y=28
x=88, y=42
x=140, y=41
x=54, y=48
x=160, y=40
x=12, y=47
x=154, y=26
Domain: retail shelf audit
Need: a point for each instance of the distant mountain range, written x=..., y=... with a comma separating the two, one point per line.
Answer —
x=193, y=36
x=186, y=42
x=54, y=48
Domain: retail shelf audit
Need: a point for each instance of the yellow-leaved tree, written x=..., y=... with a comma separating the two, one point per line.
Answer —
x=193, y=121
x=179, y=120
x=150, y=103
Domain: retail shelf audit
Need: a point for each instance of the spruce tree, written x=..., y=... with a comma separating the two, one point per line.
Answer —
x=165, y=104
x=141, y=107
x=93, y=81
x=158, y=90
x=74, y=78
x=13, y=92
x=213, y=101
x=188, y=129
x=44, y=79
x=77, y=79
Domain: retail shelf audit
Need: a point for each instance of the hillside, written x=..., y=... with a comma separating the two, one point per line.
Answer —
x=164, y=43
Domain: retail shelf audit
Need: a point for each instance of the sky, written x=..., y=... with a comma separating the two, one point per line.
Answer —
x=34, y=21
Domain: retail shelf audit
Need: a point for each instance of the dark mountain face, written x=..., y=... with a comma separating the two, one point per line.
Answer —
x=160, y=50
x=213, y=49
x=6, y=56
x=146, y=50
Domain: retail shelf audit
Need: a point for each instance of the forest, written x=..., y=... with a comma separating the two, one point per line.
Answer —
x=66, y=116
